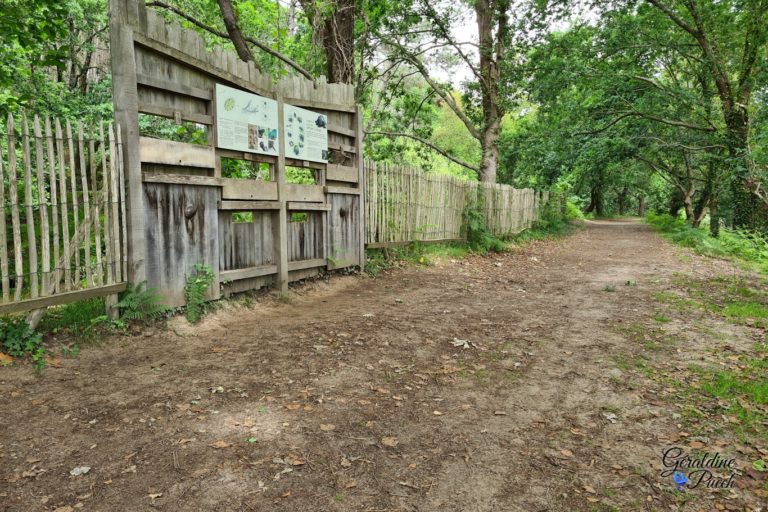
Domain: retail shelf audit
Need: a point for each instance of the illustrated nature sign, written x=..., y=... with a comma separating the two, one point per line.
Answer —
x=246, y=122
x=306, y=134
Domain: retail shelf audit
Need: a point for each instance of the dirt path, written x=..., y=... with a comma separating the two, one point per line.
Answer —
x=353, y=398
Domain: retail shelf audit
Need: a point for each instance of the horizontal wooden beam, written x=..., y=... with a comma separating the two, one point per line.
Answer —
x=167, y=85
x=341, y=147
x=292, y=162
x=342, y=190
x=181, y=179
x=342, y=131
x=168, y=152
x=303, y=193
x=379, y=245
x=247, y=273
x=249, y=190
x=322, y=105
x=60, y=298
x=302, y=264
x=296, y=206
x=342, y=173
x=170, y=113
x=241, y=155
x=249, y=205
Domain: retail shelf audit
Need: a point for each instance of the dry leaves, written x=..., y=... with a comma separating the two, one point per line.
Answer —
x=566, y=453
x=389, y=441
x=327, y=427
x=5, y=359
x=220, y=444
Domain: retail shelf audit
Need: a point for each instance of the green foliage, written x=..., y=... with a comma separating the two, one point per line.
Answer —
x=745, y=246
x=18, y=340
x=478, y=238
x=194, y=291
x=140, y=305
x=75, y=319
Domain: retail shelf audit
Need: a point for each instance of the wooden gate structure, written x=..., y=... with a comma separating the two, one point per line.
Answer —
x=181, y=211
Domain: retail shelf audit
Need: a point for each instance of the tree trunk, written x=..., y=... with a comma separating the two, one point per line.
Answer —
x=714, y=219
x=641, y=206
x=623, y=200
x=701, y=206
x=490, y=160
x=744, y=202
x=491, y=50
x=230, y=21
x=333, y=28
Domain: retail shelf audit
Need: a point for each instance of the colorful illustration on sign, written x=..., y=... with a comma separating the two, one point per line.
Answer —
x=246, y=122
x=306, y=134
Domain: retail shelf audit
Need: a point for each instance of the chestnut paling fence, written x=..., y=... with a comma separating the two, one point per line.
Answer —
x=62, y=227
x=404, y=204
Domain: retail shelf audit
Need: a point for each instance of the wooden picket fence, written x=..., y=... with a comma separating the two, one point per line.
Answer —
x=62, y=194
x=404, y=205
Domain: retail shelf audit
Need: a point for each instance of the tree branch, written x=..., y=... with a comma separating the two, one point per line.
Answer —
x=216, y=32
x=444, y=153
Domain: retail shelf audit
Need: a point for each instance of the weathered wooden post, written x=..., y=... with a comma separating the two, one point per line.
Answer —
x=123, y=16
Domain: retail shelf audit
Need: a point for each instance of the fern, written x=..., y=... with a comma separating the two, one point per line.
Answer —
x=194, y=291
x=140, y=305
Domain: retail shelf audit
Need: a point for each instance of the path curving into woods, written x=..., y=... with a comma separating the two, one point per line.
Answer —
x=359, y=394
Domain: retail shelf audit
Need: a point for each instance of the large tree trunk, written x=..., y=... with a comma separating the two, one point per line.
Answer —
x=490, y=160
x=491, y=50
x=333, y=27
x=641, y=206
x=744, y=201
x=623, y=200
x=230, y=21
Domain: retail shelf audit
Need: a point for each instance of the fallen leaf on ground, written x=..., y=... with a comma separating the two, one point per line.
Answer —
x=567, y=453
x=327, y=427
x=499, y=413
x=53, y=362
x=590, y=489
x=153, y=497
x=696, y=444
x=80, y=470
x=592, y=500
x=219, y=445
x=389, y=441
x=437, y=413
x=293, y=407
x=5, y=359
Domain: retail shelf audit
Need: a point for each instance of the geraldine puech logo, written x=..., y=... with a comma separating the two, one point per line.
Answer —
x=709, y=470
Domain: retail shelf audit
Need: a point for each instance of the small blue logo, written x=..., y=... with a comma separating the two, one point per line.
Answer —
x=680, y=480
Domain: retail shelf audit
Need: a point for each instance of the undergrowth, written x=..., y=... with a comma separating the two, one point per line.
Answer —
x=194, y=291
x=744, y=246
x=18, y=340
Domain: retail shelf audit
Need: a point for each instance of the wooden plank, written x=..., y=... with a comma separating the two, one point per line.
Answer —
x=179, y=88
x=342, y=173
x=15, y=221
x=86, y=205
x=54, y=202
x=322, y=105
x=247, y=273
x=249, y=190
x=306, y=193
x=249, y=205
x=159, y=151
x=114, y=200
x=379, y=245
x=93, y=191
x=171, y=113
x=280, y=218
x=361, y=218
x=342, y=190
x=75, y=199
x=29, y=220
x=6, y=282
x=341, y=147
x=123, y=215
x=302, y=264
x=189, y=60
x=307, y=207
x=45, y=238
x=60, y=298
x=108, y=236
x=181, y=179
x=342, y=131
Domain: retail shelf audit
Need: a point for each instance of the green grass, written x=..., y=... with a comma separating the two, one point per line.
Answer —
x=743, y=311
x=75, y=319
x=750, y=249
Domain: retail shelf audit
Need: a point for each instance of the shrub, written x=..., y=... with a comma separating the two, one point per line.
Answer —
x=194, y=291
x=19, y=340
x=139, y=305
